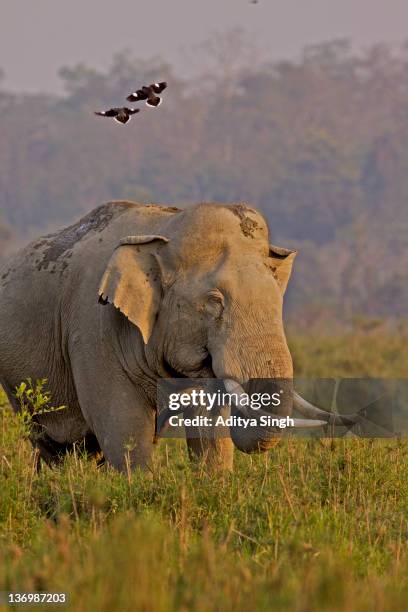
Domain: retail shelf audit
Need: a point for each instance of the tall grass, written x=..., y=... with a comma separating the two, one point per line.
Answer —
x=363, y=351
x=313, y=525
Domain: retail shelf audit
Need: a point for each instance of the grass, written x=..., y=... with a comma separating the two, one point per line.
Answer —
x=312, y=525
x=379, y=353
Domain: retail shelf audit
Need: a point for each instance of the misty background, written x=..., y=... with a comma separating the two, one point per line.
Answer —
x=299, y=110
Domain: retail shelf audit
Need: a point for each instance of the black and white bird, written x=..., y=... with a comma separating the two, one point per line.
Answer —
x=148, y=93
x=121, y=115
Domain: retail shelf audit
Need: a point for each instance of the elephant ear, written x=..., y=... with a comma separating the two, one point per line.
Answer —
x=132, y=280
x=281, y=263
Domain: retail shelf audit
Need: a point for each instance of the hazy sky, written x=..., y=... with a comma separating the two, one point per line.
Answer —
x=39, y=36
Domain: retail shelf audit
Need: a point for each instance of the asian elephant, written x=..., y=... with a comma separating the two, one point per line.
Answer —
x=132, y=293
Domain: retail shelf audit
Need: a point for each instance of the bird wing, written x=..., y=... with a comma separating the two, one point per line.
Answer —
x=112, y=112
x=140, y=94
x=133, y=111
x=158, y=87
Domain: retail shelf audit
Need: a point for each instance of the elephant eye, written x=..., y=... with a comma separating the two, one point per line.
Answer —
x=215, y=303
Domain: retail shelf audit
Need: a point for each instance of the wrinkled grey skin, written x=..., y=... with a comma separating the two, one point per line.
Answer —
x=198, y=293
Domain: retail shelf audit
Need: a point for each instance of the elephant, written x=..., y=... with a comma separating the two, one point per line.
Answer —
x=133, y=293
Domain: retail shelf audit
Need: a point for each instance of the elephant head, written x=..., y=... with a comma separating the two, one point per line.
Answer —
x=206, y=295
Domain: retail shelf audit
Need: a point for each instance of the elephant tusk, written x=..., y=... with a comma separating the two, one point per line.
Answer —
x=307, y=423
x=310, y=411
x=234, y=388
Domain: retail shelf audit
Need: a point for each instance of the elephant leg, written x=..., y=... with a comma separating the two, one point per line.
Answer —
x=214, y=448
x=126, y=435
x=119, y=416
x=216, y=453
x=9, y=391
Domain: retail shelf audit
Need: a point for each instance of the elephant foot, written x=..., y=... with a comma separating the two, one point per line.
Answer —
x=215, y=454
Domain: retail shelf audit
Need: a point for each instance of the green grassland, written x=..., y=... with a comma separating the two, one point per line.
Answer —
x=312, y=525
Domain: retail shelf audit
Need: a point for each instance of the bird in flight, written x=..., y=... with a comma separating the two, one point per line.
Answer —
x=121, y=115
x=148, y=93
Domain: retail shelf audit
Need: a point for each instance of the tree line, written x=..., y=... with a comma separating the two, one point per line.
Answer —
x=319, y=144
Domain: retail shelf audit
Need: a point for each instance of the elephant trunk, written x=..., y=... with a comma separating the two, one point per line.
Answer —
x=255, y=350
x=260, y=438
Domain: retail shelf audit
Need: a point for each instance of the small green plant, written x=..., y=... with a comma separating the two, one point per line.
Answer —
x=34, y=400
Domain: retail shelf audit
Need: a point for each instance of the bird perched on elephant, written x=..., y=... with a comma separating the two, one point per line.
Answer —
x=131, y=294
